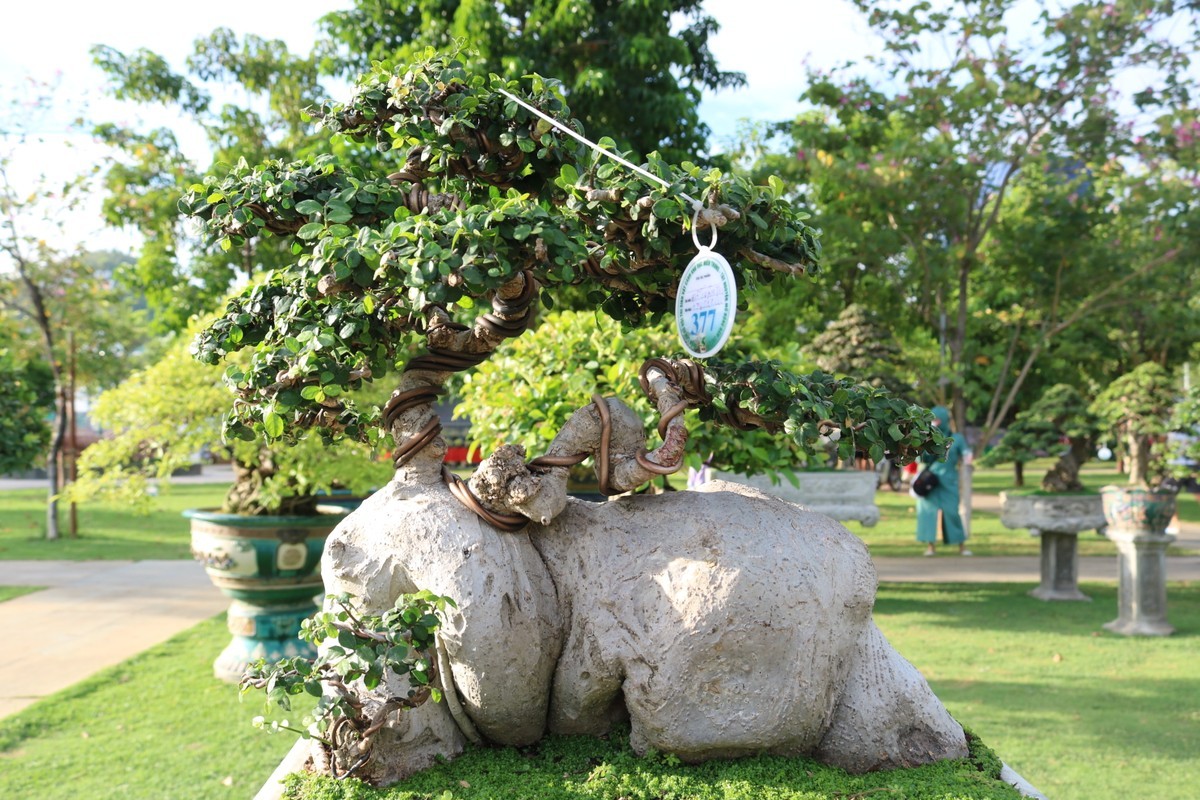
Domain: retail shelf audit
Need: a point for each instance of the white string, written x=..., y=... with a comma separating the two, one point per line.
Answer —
x=696, y=204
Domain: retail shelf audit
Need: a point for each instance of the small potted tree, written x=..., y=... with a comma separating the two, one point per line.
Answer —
x=1059, y=423
x=1136, y=409
x=263, y=547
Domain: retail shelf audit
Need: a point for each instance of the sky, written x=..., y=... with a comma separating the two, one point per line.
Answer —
x=48, y=42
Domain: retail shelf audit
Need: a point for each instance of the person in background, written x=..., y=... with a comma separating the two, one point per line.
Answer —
x=938, y=511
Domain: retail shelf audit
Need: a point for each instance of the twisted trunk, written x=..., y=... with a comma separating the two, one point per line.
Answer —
x=1064, y=475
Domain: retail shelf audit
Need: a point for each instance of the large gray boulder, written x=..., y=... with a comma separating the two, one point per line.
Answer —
x=718, y=623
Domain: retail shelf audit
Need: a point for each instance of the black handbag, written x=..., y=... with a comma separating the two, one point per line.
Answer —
x=924, y=483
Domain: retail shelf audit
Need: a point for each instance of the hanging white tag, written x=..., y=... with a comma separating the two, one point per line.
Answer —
x=705, y=304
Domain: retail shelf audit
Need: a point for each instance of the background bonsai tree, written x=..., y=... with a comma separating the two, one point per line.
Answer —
x=491, y=204
x=1183, y=445
x=162, y=418
x=1136, y=407
x=1059, y=423
x=858, y=344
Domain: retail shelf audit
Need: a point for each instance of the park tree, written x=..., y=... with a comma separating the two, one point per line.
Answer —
x=27, y=395
x=490, y=207
x=858, y=343
x=150, y=172
x=632, y=71
x=962, y=128
x=61, y=307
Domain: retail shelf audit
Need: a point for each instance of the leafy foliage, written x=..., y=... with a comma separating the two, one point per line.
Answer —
x=631, y=70
x=486, y=191
x=522, y=395
x=355, y=653
x=1136, y=408
x=822, y=413
x=164, y=416
x=27, y=402
x=858, y=344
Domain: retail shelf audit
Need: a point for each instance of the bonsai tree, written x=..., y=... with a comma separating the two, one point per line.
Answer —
x=1136, y=408
x=161, y=418
x=859, y=345
x=1183, y=447
x=1059, y=423
x=490, y=203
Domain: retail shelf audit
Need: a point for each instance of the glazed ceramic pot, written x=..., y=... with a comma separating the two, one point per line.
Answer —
x=1137, y=525
x=269, y=566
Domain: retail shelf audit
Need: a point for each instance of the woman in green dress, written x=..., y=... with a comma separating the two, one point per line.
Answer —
x=941, y=505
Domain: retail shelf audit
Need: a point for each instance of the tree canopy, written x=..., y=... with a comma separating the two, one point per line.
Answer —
x=489, y=203
x=629, y=72
x=1007, y=192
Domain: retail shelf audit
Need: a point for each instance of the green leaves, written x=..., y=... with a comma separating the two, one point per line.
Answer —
x=273, y=425
x=353, y=646
x=471, y=209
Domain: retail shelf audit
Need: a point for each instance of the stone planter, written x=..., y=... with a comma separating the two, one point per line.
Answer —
x=1137, y=523
x=1057, y=519
x=841, y=494
x=270, y=568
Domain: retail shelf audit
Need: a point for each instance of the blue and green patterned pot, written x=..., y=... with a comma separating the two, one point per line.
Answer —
x=1137, y=510
x=271, y=568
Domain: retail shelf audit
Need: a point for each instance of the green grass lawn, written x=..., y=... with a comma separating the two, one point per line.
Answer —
x=1080, y=712
x=105, y=531
x=157, y=727
x=9, y=592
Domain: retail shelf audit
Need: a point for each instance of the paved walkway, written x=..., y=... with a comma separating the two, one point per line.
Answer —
x=93, y=614
x=98, y=613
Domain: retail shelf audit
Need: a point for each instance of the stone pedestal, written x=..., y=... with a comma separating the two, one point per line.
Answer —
x=1057, y=519
x=1142, y=588
x=1137, y=525
x=1060, y=567
x=838, y=494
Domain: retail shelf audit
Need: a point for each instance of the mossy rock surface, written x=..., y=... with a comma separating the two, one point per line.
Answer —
x=586, y=768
